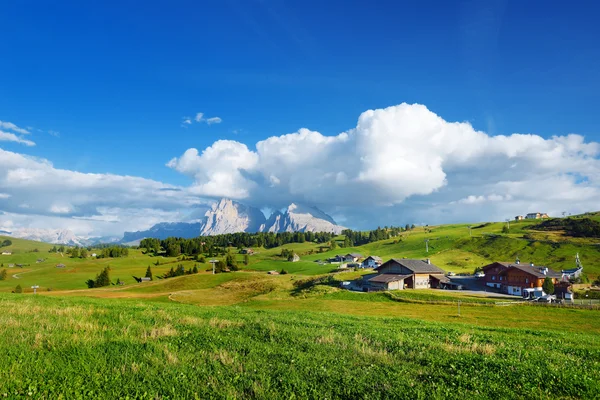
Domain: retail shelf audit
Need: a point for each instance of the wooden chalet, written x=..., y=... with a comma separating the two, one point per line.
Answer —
x=518, y=277
x=398, y=274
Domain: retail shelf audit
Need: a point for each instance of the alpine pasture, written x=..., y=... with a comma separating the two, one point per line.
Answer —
x=247, y=334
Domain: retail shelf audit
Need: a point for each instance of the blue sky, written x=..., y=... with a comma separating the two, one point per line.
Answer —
x=115, y=79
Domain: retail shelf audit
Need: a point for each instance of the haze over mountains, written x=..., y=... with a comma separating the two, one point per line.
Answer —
x=228, y=216
x=225, y=216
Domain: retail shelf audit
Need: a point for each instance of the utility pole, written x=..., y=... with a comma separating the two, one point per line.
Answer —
x=426, y=245
x=213, y=262
x=35, y=287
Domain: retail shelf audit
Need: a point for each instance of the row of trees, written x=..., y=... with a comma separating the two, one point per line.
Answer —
x=214, y=245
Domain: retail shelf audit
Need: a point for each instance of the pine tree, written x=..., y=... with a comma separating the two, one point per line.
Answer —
x=3, y=275
x=18, y=289
x=548, y=286
x=149, y=273
x=103, y=278
x=195, y=269
x=246, y=259
x=230, y=261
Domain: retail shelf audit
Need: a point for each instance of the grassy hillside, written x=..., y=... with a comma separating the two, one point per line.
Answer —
x=74, y=347
x=450, y=246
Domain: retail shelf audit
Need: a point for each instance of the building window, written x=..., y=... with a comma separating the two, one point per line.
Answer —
x=493, y=277
x=526, y=280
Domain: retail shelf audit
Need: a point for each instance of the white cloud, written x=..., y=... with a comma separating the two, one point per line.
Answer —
x=200, y=118
x=218, y=171
x=403, y=155
x=34, y=193
x=402, y=164
x=213, y=120
x=11, y=137
x=12, y=127
x=54, y=133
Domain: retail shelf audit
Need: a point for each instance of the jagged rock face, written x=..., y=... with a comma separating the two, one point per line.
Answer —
x=164, y=230
x=300, y=218
x=229, y=216
x=274, y=223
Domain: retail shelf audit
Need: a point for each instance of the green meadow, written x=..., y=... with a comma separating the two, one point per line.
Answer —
x=102, y=348
x=248, y=334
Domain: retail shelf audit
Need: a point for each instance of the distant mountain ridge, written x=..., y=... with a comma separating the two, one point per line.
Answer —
x=229, y=216
x=53, y=236
x=301, y=218
x=225, y=216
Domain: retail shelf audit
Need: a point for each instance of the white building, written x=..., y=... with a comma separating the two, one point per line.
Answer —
x=371, y=262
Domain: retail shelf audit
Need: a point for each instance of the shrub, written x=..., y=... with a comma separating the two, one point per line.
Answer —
x=18, y=289
x=3, y=275
x=283, y=272
x=548, y=286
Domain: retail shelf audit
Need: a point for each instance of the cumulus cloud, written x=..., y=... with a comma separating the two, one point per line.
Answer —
x=396, y=157
x=402, y=164
x=11, y=137
x=33, y=191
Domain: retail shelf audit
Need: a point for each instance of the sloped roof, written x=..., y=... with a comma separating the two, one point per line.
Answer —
x=535, y=270
x=355, y=255
x=386, y=278
x=416, y=266
x=376, y=258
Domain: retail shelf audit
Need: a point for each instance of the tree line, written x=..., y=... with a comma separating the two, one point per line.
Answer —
x=215, y=245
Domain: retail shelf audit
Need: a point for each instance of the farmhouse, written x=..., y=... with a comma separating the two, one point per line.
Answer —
x=6, y=253
x=247, y=251
x=398, y=274
x=492, y=277
x=352, y=257
x=536, y=215
x=518, y=277
x=519, y=218
x=371, y=262
x=60, y=265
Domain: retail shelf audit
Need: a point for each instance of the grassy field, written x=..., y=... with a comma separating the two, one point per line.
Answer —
x=451, y=247
x=247, y=334
x=101, y=348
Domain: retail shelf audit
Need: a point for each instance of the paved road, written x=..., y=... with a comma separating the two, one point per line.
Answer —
x=477, y=286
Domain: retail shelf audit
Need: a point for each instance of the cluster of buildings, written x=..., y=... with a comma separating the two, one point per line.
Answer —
x=515, y=279
x=535, y=215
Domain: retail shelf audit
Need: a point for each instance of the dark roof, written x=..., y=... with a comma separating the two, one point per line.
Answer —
x=441, y=278
x=376, y=258
x=502, y=263
x=536, y=270
x=572, y=270
x=386, y=278
x=416, y=266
